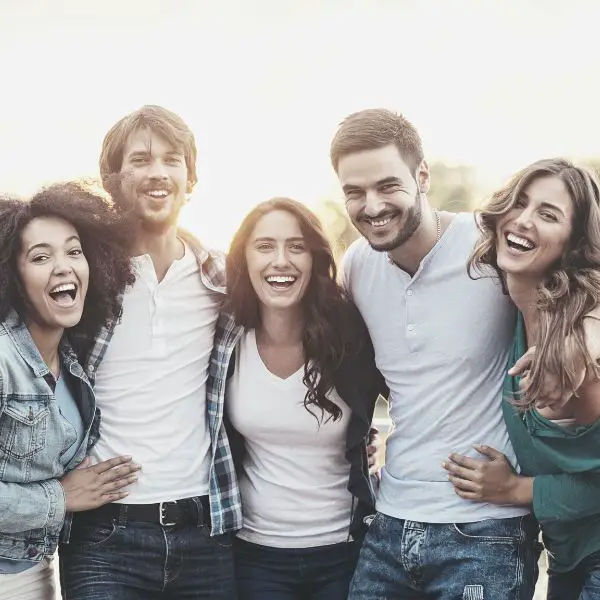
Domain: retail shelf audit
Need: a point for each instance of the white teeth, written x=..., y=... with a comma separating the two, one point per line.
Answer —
x=381, y=222
x=524, y=242
x=63, y=287
x=280, y=279
x=158, y=193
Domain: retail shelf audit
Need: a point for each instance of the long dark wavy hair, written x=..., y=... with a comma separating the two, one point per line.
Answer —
x=570, y=289
x=103, y=240
x=329, y=316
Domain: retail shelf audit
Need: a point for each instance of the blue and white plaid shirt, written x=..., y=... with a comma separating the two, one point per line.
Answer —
x=224, y=493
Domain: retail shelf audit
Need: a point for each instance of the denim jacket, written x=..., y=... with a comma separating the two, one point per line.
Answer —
x=33, y=436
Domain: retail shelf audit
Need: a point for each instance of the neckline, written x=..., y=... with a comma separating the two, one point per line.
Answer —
x=251, y=337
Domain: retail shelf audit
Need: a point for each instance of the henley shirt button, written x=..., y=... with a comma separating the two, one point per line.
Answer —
x=91, y=368
x=411, y=327
x=409, y=293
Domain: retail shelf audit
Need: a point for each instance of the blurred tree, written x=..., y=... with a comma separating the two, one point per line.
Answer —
x=452, y=187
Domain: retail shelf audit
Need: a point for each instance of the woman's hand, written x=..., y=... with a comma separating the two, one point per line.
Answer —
x=90, y=487
x=492, y=480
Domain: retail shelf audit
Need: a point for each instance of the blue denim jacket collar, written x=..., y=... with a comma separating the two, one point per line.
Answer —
x=17, y=329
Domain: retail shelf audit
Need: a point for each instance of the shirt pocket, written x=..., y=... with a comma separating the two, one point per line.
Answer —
x=23, y=427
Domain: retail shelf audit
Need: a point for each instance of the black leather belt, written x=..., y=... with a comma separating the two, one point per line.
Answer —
x=188, y=511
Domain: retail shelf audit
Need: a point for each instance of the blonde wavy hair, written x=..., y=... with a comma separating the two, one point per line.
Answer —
x=570, y=290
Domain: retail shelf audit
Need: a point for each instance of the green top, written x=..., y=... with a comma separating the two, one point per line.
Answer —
x=565, y=462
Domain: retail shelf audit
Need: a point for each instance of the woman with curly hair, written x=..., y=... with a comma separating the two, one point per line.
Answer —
x=294, y=362
x=541, y=235
x=63, y=266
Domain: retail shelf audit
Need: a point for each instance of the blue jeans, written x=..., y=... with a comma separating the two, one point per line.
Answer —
x=321, y=573
x=581, y=583
x=126, y=560
x=407, y=560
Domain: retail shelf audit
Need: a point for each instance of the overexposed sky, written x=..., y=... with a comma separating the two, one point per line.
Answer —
x=264, y=83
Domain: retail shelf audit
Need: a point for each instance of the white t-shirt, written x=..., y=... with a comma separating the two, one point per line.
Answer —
x=151, y=384
x=295, y=474
x=441, y=341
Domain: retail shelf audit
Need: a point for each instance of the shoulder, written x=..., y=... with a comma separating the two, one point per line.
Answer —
x=358, y=256
x=211, y=261
x=357, y=251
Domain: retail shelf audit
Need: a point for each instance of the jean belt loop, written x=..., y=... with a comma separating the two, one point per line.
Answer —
x=199, y=511
x=122, y=521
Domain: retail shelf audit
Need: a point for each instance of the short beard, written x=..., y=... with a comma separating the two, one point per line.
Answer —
x=157, y=227
x=414, y=216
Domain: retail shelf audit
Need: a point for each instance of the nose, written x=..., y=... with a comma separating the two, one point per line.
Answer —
x=157, y=170
x=62, y=265
x=373, y=204
x=281, y=258
x=524, y=219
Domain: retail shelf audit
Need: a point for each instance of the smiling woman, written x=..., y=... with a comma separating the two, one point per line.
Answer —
x=55, y=249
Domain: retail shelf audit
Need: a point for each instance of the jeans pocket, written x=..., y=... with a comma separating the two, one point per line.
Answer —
x=224, y=540
x=490, y=532
x=92, y=535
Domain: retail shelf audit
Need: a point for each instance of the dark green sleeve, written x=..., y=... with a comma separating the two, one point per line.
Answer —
x=566, y=497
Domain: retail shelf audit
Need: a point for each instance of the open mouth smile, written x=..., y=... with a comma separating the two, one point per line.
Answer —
x=65, y=294
x=519, y=243
x=379, y=221
x=281, y=282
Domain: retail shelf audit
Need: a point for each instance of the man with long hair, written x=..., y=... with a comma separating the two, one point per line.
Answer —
x=171, y=537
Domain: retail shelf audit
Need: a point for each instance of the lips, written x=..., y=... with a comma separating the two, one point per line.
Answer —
x=379, y=221
x=281, y=282
x=519, y=243
x=64, y=294
x=157, y=194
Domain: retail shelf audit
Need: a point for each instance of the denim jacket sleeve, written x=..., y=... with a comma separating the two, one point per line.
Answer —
x=20, y=504
x=31, y=505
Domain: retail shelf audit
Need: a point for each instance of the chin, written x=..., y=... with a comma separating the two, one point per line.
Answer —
x=68, y=322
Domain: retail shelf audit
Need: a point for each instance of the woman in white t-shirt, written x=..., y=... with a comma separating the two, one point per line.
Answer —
x=300, y=390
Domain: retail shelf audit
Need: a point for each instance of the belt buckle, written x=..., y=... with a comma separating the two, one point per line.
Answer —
x=162, y=509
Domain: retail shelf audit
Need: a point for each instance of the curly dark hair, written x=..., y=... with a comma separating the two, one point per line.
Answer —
x=331, y=321
x=103, y=241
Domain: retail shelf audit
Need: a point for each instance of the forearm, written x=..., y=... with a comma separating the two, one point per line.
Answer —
x=521, y=491
x=25, y=506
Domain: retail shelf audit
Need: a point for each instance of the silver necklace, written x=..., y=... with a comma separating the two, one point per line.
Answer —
x=438, y=222
x=438, y=235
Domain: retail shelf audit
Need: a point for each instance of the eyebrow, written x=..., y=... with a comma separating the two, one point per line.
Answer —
x=270, y=239
x=554, y=207
x=546, y=204
x=384, y=181
x=47, y=246
x=148, y=152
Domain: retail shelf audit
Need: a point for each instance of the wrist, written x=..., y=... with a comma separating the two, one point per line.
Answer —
x=521, y=492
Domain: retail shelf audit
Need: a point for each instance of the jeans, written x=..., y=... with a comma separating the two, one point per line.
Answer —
x=581, y=583
x=127, y=560
x=321, y=573
x=407, y=560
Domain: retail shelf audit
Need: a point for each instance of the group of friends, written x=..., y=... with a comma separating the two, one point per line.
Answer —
x=181, y=424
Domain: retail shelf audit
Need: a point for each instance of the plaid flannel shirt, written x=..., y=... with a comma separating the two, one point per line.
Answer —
x=224, y=494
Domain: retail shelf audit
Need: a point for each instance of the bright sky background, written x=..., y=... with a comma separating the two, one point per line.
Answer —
x=264, y=83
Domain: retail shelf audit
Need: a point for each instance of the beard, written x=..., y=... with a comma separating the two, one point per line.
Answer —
x=412, y=221
x=137, y=216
